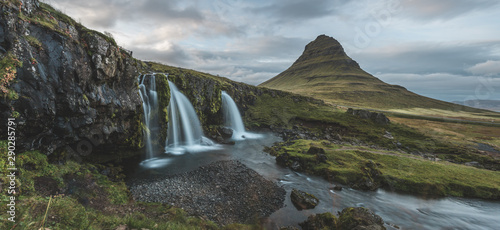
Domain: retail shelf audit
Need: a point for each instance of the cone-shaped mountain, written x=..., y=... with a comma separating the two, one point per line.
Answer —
x=324, y=71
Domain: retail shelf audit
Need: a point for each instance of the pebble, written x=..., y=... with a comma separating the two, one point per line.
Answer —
x=224, y=191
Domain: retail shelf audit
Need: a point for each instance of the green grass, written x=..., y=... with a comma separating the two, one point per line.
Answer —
x=399, y=172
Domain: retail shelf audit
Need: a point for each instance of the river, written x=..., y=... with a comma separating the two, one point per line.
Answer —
x=401, y=210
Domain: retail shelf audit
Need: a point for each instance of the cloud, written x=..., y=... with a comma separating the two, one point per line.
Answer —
x=444, y=9
x=445, y=86
x=488, y=68
x=296, y=10
x=425, y=57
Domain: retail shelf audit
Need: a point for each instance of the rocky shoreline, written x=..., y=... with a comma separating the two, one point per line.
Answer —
x=224, y=192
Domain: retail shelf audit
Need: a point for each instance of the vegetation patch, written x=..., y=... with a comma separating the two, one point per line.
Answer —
x=391, y=170
x=8, y=70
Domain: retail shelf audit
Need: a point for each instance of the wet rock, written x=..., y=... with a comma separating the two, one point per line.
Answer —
x=359, y=218
x=228, y=142
x=226, y=132
x=282, y=160
x=295, y=166
x=325, y=221
x=371, y=180
x=337, y=188
x=303, y=200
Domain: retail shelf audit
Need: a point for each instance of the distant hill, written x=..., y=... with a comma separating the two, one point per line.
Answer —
x=324, y=71
x=493, y=105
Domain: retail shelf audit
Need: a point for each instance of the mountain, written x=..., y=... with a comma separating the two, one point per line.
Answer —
x=326, y=72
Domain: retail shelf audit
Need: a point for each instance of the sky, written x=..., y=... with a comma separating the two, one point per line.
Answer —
x=444, y=49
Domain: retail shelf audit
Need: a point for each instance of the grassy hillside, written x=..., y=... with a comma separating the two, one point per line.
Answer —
x=352, y=165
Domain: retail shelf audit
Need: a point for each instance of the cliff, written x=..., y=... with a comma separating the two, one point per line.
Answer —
x=75, y=90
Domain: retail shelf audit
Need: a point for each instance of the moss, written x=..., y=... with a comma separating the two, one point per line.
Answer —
x=34, y=42
x=135, y=133
x=8, y=73
x=163, y=91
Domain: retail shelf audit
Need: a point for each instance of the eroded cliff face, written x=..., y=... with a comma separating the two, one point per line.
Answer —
x=76, y=88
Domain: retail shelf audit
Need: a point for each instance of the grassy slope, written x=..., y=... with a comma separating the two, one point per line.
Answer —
x=399, y=172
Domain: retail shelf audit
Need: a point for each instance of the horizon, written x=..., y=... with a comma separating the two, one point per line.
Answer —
x=448, y=50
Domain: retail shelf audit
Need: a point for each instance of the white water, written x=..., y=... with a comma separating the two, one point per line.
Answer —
x=147, y=90
x=232, y=119
x=184, y=132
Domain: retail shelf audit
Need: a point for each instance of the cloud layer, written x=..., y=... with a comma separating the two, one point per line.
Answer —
x=444, y=49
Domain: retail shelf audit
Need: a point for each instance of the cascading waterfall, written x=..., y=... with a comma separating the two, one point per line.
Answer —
x=147, y=90
x=184, y=128
x=232, y=118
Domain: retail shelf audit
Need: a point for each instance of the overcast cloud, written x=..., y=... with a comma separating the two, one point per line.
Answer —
x=445, y=49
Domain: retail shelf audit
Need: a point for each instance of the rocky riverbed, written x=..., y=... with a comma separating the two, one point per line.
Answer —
x=224, y=192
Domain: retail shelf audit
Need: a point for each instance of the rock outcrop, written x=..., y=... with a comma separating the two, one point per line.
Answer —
x=76, y=89
x=303, y=200
x=378, y=118
x=349, y=218
x=360, y=218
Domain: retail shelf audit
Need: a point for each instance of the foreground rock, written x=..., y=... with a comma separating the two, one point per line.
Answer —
x=359, y=218
x=349, y=218
x=224, y=192
x=303, y=200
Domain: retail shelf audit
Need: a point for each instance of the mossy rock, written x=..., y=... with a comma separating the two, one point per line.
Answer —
x=359, y=218
x=303, y=200
x=163, y=90
x=323, y=221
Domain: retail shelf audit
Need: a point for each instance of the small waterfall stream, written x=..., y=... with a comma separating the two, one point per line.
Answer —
x=147, y=90
x=232, y=119
x=184, y=128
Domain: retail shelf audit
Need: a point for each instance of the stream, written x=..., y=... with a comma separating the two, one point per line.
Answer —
x=401, y=210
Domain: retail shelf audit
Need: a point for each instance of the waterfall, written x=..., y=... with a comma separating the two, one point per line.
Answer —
x=184, y=128
x=147, y=90
x=232, y=118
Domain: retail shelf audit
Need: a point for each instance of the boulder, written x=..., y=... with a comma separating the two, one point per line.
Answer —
x=226, y=133
x=303, y=200
x=359, y=218
x=320, y=221
x=337, y=188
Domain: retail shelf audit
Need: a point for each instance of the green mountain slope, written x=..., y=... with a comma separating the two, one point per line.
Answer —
x=324, y=71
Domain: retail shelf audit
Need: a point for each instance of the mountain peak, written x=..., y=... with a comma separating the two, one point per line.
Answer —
x=325, y=48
